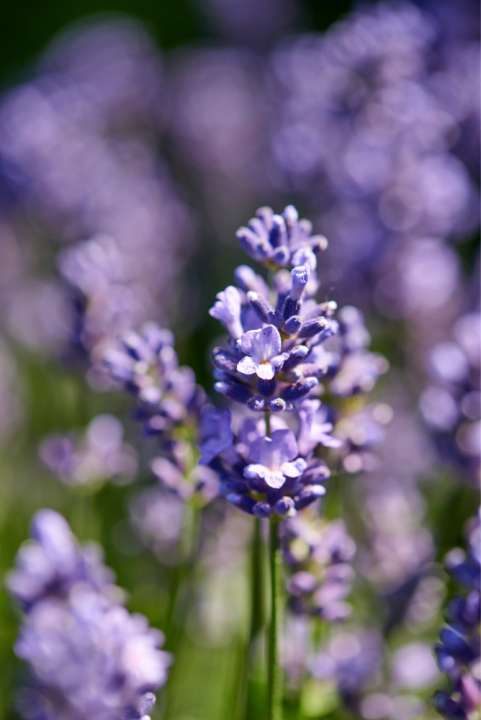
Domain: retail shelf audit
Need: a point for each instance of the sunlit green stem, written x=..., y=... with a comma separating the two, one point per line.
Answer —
x=274, y=672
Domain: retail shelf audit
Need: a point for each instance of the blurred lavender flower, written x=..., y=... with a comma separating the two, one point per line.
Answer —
x=283, y=354
x=158, y=518
x=146, y=365
x=52, y=564
x=88, y=656
x=169, y=403
x=451, y=404
x=368, y=130
x=218, y=125
x=414, y=666
x=351, y=659
x=361, y=432
x=99, y=455
x=318, y=556
x=398, y=546
x=91, y=177
x=458, y=650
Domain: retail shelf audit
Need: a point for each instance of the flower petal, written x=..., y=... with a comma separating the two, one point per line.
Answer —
x=247, y=366
x=294, y=469
x=265, y=371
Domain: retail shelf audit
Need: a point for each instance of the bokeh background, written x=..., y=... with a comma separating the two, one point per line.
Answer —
x=135, y=138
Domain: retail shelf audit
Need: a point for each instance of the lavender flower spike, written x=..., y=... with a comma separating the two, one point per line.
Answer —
x=88, y=657
x=285, y=351
x=318, y=556
x=168, y=404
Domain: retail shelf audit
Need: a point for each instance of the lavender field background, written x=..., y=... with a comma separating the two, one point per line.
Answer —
x=135, y=139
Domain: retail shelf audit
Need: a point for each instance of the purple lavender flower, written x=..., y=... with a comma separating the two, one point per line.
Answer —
x=169, y=404
x=145, y=364
x=158, y=517
x=270, y=360
x=381, y=177
x=318, y=556
x=261, y=474
x=275, y=460
x=98, y=456
x=88, y=657
x=451, y=403
x=281, y=240
x=218, y=122
x=284, y=352
x=351, y=659
x=458, y=651
x=81, y=133
x=52, y=563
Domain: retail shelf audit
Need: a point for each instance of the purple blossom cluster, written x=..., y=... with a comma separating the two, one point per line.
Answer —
x=458, y=650
x=318, y=556
x=369, y=133
x=451, y=403
x=98, y=455
x=284, y=353
x=168, y=405
x=88, y=656
x=78, y=144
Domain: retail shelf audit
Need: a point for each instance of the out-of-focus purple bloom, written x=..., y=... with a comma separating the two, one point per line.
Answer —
x=99, y=455
x=458, y=650
x=399, y=547
x=218, y=123
x=52, y=563
x=360, y=433
x=353, y=367
x=318, y=556
x=81, y=133
x=419, y=280
x=414, y=666
x=88, y=657
x=158, y=518
x=351, y=659
x=451, y=404
x=146, y=364
x=315, y=427
x=181, y=474
x=169, y=404
x=370, y=124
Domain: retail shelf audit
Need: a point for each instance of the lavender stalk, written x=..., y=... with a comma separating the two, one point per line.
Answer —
x=274, y=673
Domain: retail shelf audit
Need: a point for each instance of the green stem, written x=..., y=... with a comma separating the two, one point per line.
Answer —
x=181, y=592
x=256, y=617
x=267, y=418
x=257, y=584
x=274, y=673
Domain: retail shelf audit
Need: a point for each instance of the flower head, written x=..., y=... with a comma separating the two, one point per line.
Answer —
x=285, y=351
x=318, y=556
x=88, y=657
